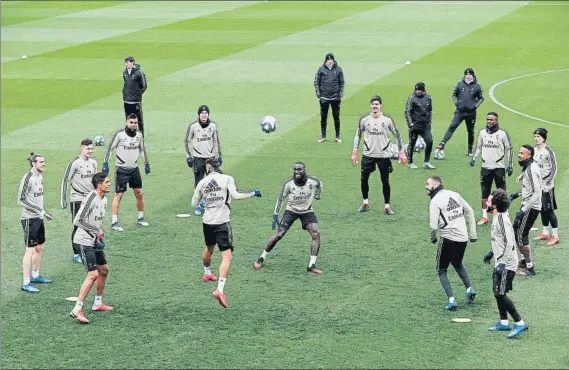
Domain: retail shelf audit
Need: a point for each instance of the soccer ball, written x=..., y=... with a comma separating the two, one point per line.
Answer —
x=420, y=145
x=99, y=140
x=268, y=124
x=395, y=150
x=439, y=154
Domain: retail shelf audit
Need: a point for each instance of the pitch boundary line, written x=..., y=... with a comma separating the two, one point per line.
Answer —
x=495, y=100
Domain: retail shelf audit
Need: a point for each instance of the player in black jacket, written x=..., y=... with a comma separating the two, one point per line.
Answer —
x=419, y=113
x=329, y=86
x=467, y=97
x=134, y=86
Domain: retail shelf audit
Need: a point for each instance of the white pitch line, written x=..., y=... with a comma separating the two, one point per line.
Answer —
x=495, y=100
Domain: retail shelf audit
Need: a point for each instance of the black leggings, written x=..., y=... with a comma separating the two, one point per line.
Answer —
x=549, y=218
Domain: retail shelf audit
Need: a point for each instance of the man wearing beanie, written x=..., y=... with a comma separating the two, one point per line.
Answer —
x=419, y=112
x=545, y=158
x=493, y=143
x=202, y=142
x=329, y=86
x=467, y=97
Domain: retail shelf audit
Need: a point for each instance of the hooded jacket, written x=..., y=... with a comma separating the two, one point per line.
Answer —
x=467, y=97
x=329, y=82
x=419, y=112
x=134, y=85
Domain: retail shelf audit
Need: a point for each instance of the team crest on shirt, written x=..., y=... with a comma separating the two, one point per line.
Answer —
x=310, y=186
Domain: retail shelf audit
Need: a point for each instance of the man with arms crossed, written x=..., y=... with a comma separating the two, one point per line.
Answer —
x=30, y=198
x=89, y=238
x=493, y=143
x=375, y=128
x=78, y=176
x=213, y=195
x=505, y=263
x=202, y=142
x=447, y=212
x=299, y=192
x=129, y=145
x=545, y=158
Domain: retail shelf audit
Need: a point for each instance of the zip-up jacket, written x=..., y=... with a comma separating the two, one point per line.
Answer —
x=419, y=112
x=329, y=83
x=134, y=85
x=467, y=97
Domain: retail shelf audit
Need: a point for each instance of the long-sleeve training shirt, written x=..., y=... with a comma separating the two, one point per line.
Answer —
x=217, y=190
x=78, y=175
x=30, y=195
x=449, y=212
x=376, y=135
x=202, y=141
x=493, y=147
x=504, y=242
x=299, y=199
x=531, y=187
x=128, y=149
x=89, y=219
x=547, y=162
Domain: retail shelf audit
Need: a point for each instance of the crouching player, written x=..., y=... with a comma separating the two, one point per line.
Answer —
x=89, y=239
x=300, y=192
x=505, y=263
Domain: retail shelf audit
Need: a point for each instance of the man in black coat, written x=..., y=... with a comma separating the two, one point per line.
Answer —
x=329, y=86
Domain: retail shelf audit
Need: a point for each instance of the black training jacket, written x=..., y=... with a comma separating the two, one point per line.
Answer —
x=134, y=85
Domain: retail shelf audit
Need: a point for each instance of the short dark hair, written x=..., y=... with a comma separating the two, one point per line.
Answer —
x=98, y=178
x=86, y=142
x=129, y=58
x=530, y=148
x=33, y=158
x=492, y=114
x=374, y=98
x=500, y=200
x=132, y=116
x=300, y=163
x=437, y=179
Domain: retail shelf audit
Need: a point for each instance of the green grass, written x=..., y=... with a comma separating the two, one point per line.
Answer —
x=379, y=303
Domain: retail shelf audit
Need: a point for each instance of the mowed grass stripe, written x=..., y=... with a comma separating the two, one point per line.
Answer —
x=118, y=46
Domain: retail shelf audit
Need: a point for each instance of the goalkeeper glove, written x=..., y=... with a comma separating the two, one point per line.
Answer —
x=275, y=221
x=510, y=171
x=488, y=257
x=190, y=161
x=106, y=167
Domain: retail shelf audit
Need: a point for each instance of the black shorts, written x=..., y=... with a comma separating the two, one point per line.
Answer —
x=130, y=176
x=305, y=218
x=92, y=257
x=74, y=206
x=450, y=252
x=220, y=235
x=548, y=202
x=523, y=228
x=383, y=165
x=502, y=283
x=34, y=232
x=487, y=177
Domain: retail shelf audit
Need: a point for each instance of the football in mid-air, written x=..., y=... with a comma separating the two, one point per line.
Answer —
x=439, y=154
x=99, y=140
x=268, y=124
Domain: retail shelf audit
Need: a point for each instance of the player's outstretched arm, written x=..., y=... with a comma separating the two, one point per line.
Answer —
x=235, y=194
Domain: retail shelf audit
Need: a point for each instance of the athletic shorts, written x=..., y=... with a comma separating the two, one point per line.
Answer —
x=548, y=202
x=502, y=283
x=130, y=176
x=34, y=232
x=220, y=235
x=523, y=228
x=383, y=165
x=450, y=252
x=305, y=218
x=487, y=177
x=92, y=257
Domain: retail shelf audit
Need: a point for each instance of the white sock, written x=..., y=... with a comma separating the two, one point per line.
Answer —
x=452, y=300
x=207, y=270
x=529, y=264
x=78, y=306
x=35, y=273
x=469, y=290
x=554, y=231
x=115, y=219
x=264, y=254
x=521, y=322
x=26, y=279
x=98, y=300
x=387, y=205
x=312, y=261
x=366, y=201
x=140, y=214
x=221, y=284
x=505, y=322
x=485, y=213
x=75, y=255
x=545, y=230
